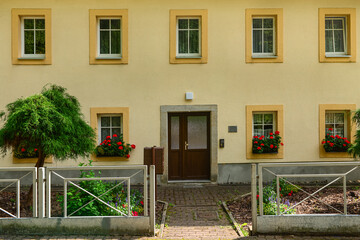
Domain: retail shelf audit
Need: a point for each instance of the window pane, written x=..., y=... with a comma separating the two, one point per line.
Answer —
x=115, y=122
x=40, y=42
x=258, y=130
x=115, y=23
x=339, y=40
x=329, y=118
x=268, y=118
x=116, y=131
x=115, y=42
x=183, y=23
x=339, y=130
x=194, y=41
x=104, y=42
x=175, y=132
x=329, y=41
x=338, y=24
x=104, y=133
x=105, y=121
x=257, y=39
x=328, y=24
x=40, y=23
x=29, y=42
x=339, y=117
x=257, y=23
x=268, y=41
x=28, y=23
x=197, y=132
x=268, y=23
x=194, y=23
x=104, y=23
x=257, y=118
x=268, y=129
x=183, y=41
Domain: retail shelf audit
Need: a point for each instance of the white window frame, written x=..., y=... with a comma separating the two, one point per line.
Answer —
x=334, y=54
x=108, y=56
x=263, y=113
x=271, y=55
x=109, y=115
x=31, y=56
x=345, y=122
x=187, y=55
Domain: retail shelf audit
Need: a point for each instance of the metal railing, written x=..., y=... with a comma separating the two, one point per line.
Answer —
x=54, y=171
x=17, y=183
x=338, y=176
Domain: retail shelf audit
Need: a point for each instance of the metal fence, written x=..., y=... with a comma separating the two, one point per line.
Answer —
x=11, y=182
x=331, y=173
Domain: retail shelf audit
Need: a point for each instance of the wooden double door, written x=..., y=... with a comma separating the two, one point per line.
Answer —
x=189, y=146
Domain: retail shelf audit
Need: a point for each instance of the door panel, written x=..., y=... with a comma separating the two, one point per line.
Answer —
x=189, y=146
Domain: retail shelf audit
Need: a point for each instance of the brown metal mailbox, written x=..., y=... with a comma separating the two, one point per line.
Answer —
x=154, y=156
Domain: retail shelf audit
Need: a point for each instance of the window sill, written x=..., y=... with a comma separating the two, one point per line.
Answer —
x=108, y=58
x=337, y=56
x=193, y=57
x=263, y=56
x=31, y=58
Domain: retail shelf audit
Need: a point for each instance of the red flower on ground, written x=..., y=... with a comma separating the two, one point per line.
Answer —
x=114, y=135
x=23, y=149
x=290, y=194
x=121, y=147
x=257, y=196
x=135, y=213
x=133, y=146
x=279, y=189
x=277, y=132
x=258, y=148
x=142, y=203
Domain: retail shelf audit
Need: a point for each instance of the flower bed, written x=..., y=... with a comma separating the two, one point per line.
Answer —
x=270, y=144
x=26, y=152
x=335, y=143
x=114, y=147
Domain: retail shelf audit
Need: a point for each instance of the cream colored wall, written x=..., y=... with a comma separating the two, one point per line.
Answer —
x=300, y=83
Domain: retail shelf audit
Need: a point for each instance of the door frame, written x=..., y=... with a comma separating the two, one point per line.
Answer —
x=213, y=110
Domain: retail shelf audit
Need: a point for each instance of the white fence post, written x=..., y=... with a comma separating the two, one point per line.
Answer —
x=41, y=192
x=253, y=198
x=48, y=193
x=152, y=199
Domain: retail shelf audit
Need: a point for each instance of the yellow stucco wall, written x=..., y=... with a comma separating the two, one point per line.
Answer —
x=300, y=83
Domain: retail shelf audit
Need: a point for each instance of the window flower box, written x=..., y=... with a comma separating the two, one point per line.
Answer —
x=114, y=147
x=269, y=144
x=335, y=143
x=22, y=152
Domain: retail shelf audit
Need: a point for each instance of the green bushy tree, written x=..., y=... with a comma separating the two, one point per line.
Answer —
x=50, y=122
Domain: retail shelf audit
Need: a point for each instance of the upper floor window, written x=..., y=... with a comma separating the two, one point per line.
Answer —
x=188, y=37
x=109, y=34
x=335, y=35
x=33, y=37
x=263, y=35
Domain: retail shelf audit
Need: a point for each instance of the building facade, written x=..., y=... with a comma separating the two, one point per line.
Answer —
x=199, y=78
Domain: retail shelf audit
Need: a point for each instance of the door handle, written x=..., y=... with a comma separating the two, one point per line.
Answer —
x=186, y=145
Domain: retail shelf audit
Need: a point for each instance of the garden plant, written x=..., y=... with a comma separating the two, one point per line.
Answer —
x=269, y=144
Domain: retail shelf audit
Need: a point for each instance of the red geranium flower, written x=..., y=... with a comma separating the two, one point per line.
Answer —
x=330, y=129
x=109, y=144
x=344, y=145
x=277, y=133
x=35, y=149
x=262, y=144
x=271, y=134
x=121, y=147
x=322, y=142
x=262, y=136
x=133, y=146
x=258, y=148
x=108, y=137
x=255, y=142
x=271, y=137
x=271, y=146
x=114, y=135
x=119, y=143
x=23, y=149
x=282, y=144
x=135, y=213
x=347, y=141
x=142, y=203
x=255, y=136
x=275, y=146
x=128, y=156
